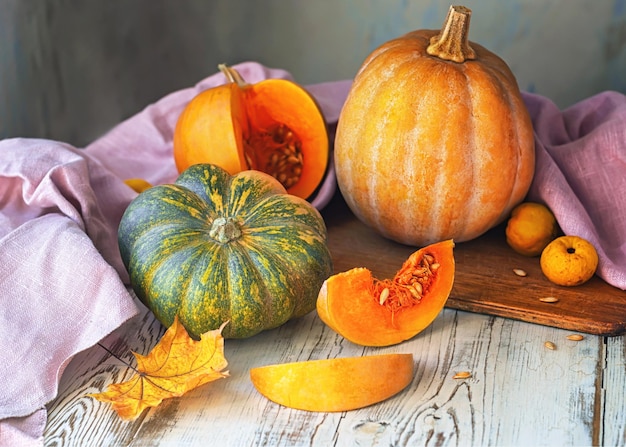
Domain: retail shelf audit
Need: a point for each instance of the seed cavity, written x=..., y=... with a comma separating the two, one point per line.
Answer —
x=283, y=154
x=409, y=286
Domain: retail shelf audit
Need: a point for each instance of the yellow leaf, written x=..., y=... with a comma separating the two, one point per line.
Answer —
x=177, y=364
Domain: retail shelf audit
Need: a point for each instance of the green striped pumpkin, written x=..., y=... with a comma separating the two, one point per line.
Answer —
x=214, y=247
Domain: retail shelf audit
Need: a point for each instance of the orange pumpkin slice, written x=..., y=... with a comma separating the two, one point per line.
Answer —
x=372, y=312
x=332, y=385
x=138, y=184
x=274, y=126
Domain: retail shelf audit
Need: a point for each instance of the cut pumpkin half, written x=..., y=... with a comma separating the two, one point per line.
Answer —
x=275, y=126
x=333, y=385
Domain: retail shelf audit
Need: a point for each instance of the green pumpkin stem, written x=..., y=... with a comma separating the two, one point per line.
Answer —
x=452, y=42
x=232, y=75
x=225, y=229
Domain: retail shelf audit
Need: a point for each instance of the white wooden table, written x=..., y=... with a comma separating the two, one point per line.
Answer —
x=520, y=392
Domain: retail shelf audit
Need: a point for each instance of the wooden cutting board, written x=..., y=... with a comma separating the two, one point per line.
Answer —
x=485, y=281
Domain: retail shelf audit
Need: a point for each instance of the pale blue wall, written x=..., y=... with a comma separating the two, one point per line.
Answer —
x=71, y=69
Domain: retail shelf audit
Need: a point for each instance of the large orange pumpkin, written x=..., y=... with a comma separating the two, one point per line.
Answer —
x=434, y=141
x=274, y=126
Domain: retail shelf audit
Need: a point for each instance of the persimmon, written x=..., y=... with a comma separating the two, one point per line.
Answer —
x=530, y=228
x=569, y=261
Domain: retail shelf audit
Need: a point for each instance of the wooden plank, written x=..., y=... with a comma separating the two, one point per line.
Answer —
x=485, y=282
x=520, y=393
x=234, y=412
x=612, y=393
x=74, y=418
x=506, y=358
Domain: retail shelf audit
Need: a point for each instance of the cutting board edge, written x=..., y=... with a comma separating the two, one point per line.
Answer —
x=605, y=329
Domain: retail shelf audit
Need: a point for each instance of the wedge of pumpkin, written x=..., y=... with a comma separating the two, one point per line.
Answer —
x=332, y=385
x=372, y=312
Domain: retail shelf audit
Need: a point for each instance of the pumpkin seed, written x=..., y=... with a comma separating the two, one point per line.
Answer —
x=415, y=292
x=520, y=272
x=418, y=287
x=429, y=259
x=249, y=161
x=462, y=375
x=384, y=294
x=575, y=337
x=550, y=345
x=549, y=299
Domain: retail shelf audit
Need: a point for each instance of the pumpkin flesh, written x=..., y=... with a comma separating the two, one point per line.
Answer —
x=354, y=303
x=332, y=385
x=274, y=126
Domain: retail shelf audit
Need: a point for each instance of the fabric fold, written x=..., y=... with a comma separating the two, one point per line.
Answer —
x=581, y=173
x=61, y=277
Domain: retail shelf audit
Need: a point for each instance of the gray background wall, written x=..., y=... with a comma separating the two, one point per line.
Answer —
x=72, y=69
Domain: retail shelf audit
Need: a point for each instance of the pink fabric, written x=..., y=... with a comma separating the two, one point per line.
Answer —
x=62, y=283
x=581, y=173
x=61, y=279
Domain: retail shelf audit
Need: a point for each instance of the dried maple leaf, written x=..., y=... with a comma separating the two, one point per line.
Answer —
x=177, y=364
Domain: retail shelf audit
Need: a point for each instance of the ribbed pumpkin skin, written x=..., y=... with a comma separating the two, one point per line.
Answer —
x=428, y=149
x=259, y=280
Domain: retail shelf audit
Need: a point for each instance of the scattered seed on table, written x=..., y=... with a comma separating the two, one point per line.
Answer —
x=550, y=345
x=575, y=337
x=520, y=272
x=549, y=299
x=462, y=375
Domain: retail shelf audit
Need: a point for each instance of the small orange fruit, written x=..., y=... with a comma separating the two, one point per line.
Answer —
x=138, y=184
x=569, y=261
x=531, y=227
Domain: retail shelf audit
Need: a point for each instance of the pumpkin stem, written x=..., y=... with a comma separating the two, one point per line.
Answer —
x=452, y=42
x=232, y=75
x=225, y=229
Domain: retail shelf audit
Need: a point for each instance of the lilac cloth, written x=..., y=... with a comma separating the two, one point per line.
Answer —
x=62, y=283
x=581, y=173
